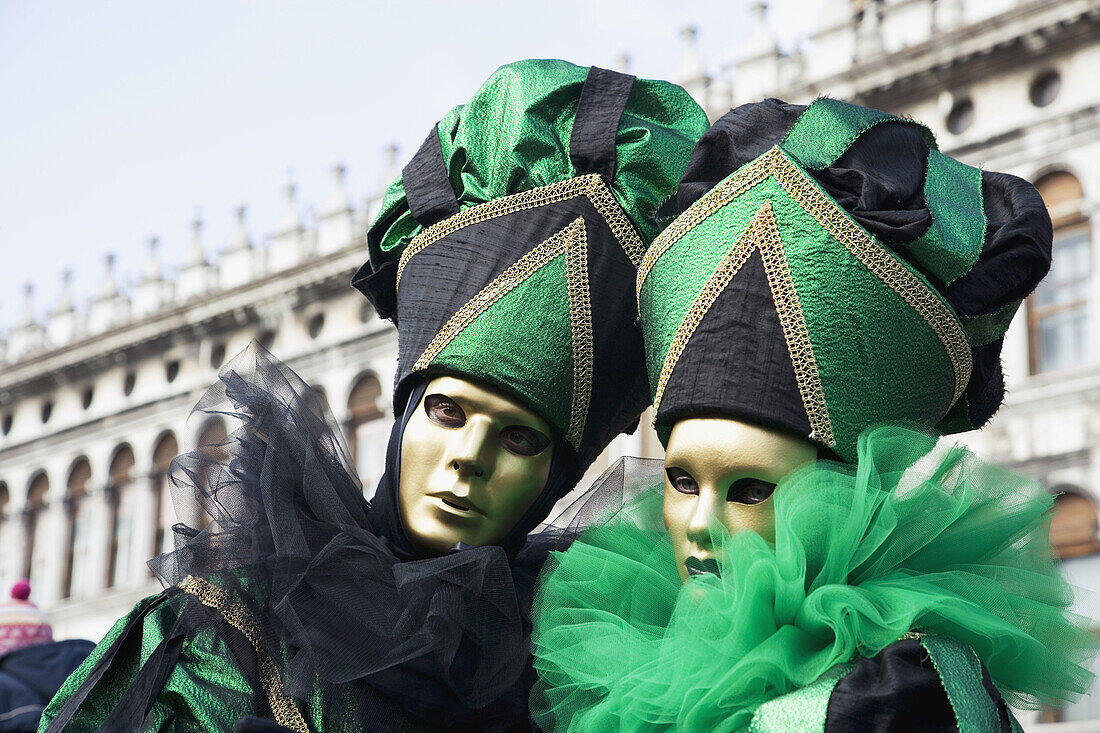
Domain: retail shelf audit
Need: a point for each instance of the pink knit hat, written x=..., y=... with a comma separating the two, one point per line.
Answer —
x=21, y=622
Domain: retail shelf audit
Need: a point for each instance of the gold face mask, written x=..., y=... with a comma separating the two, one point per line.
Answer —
x=472, y=463
x=725, y=470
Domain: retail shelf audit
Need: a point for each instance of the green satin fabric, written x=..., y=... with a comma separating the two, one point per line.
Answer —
x=208, y=689
x=952, y=190
x=514, y=134
x=205, y=690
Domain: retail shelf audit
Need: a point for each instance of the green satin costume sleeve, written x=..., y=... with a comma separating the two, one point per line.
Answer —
x=206, y=689
x=216, y=678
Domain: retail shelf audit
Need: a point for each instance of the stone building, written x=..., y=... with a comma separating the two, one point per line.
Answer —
x=94, y=402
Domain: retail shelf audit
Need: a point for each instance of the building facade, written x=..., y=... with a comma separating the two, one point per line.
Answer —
x=94, y=402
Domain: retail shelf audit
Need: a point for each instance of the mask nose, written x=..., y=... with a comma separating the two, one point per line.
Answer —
x=702, y=514
x=473, y=450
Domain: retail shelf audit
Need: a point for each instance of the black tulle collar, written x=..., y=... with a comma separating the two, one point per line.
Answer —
x=341, y=597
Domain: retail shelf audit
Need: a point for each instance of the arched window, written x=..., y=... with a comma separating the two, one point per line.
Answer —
x=33, y=526
x=368, y=431
x=1057, y=311
x=164, y=451
x=1073, y=529
x=77, y=580
x=210, y=445
x=120, y=497
x=212, y=436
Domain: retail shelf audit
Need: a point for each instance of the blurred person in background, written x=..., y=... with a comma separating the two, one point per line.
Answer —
x=32, y=664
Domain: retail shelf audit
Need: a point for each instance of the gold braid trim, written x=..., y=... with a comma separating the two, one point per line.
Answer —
x=590, y=185
x=713, y=200
x=761, y=233
x=573, y=242
x=282, y=705
x=580, y=326
x=841, y=227
x=795, y=332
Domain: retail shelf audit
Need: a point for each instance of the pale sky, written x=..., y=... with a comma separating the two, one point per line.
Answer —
x=119, y=119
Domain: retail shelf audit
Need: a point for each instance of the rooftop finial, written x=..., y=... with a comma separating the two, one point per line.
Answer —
x=27, y=317
x=622, y=63
x=339, y=201
x=292, y=218
x=152, y=271
x=392, y=151
x=691, y=73
x=240, y=239
x=761, y=43
x=691, y=63
x=153, y=291
x=65, y=298
x=196, y=256
x=759, y=12
x=109, y=287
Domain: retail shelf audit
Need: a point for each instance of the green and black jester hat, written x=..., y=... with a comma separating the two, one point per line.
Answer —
x=507, y=251
x=830, y=270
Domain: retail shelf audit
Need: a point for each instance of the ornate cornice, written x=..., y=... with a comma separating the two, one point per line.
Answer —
x=1015, y=37
x=213, y=313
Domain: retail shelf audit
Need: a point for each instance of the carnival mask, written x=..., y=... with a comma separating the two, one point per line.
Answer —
x=723, y=470
x=472, y=463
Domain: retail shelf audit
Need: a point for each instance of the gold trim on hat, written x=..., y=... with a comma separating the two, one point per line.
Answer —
x=580, y=327
x=283, y=707
x=831, y=217
x=572, y=241
x=763, y=234
x=589, y=185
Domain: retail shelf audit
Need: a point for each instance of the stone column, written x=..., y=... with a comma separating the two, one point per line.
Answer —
x=101, y=527
x=12, y=541
x=50, y=553
x=144, y=497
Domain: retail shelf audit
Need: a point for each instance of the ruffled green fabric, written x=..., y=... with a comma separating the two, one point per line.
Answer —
x=914, y=537
x=513, y=136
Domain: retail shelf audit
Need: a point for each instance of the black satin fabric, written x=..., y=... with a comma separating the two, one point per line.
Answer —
x=899, y=691
x=343, y=597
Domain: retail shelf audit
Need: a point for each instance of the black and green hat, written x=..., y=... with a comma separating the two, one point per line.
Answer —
x=508, y=249
x=830, y=269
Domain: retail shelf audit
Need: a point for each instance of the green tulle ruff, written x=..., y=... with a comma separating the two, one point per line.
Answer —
x=914, y=537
